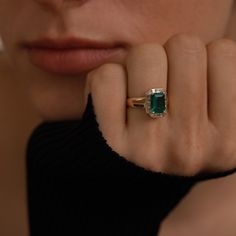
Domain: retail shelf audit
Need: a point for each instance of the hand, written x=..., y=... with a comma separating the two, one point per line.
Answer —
x=199, y=132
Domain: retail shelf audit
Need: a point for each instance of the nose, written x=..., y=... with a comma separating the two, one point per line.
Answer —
x=60, y=5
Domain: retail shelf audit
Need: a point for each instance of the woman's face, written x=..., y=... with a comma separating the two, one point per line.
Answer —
x=129, y=22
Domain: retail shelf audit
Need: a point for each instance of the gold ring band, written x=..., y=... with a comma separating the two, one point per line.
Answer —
x=136, y=102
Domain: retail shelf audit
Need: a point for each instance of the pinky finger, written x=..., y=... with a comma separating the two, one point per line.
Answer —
x=222, y=84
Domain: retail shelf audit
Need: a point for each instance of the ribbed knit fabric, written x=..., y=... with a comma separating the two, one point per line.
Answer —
x=77, y=185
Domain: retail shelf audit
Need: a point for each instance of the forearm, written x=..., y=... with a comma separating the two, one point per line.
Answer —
x=209, y=209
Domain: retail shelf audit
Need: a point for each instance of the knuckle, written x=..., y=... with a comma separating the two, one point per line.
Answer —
x=223, y=156
x=118, y=143
x=105, y=70
x=189, y=157
x=103, y=74
x=228, y=152
x=145, y=51
x=186, y=42
x=190, y=164
x=224, y=46
x=149, y=155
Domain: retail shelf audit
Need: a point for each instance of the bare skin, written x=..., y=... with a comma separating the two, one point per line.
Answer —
x=190, y=140
x=209, y=209
x=166, y=44
x=131, y=22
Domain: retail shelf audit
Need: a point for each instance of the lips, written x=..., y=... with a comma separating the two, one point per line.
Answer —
x=72, y=56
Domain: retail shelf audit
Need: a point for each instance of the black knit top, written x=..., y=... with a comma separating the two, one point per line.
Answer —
x=77, y=185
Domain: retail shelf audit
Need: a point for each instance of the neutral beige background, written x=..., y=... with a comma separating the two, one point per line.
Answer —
x=17, y=120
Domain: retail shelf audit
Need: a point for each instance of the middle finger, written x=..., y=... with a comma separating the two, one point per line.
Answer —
x=187, y=79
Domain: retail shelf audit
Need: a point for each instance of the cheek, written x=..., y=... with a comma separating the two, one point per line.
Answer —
x=211, y=22
x=57, y=100
x=157, y=21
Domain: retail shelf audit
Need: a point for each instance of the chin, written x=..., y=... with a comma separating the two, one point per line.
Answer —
x=58, y=105
x=56, y=98
x=58, y=115
x=49, y=111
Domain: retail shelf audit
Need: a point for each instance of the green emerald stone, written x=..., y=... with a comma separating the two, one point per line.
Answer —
x=158, y=103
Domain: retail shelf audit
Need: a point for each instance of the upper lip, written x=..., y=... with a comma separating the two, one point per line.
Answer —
x=69, y=43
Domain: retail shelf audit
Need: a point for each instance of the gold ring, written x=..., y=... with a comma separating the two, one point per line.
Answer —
x=154, y=102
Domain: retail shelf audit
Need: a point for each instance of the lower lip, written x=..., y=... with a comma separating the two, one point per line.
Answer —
x=71, y=61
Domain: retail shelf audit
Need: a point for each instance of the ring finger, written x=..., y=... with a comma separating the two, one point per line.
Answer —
x=146, y=68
